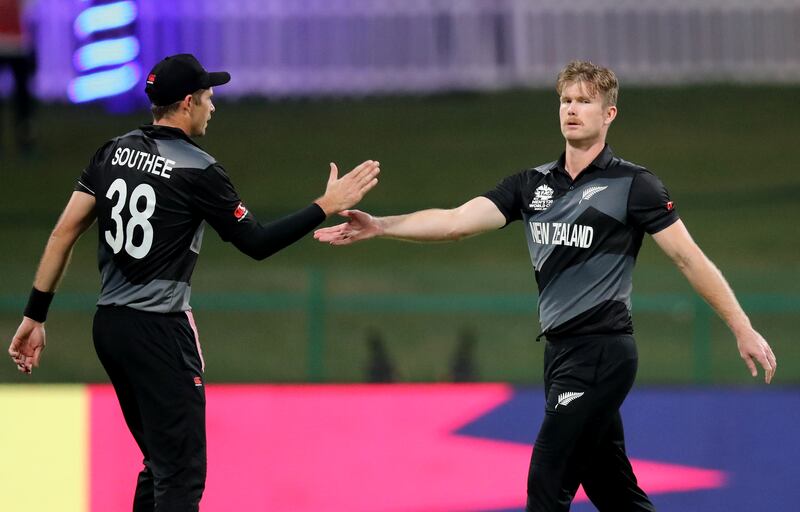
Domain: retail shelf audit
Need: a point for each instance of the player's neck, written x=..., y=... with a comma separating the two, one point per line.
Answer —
x=175, y=122
x=579, y=155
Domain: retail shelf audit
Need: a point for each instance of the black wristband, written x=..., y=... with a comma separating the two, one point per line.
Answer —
x=314, y=210
x=38, y=304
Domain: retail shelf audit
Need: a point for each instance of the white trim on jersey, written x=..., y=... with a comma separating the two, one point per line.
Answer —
x=87, y=188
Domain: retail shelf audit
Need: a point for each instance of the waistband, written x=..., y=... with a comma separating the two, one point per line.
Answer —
x=586, y=338
x=133, y=311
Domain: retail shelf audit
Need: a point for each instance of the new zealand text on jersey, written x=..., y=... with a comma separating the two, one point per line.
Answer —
x=562, y=233
x=145, y=162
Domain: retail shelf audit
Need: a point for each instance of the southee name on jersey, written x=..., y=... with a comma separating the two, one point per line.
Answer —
x=562, y=233
x=143, y=161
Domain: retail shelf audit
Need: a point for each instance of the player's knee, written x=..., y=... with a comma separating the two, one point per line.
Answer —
x=182, y=490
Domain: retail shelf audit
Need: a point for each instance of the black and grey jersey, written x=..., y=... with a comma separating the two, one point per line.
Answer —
x=155, y=189
x=584, y=236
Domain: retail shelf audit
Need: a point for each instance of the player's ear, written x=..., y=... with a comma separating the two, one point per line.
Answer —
x=186, y=102
x=611, y=113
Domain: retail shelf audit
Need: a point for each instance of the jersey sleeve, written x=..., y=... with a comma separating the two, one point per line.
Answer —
x=219, y=204
x=507, y=196
x=649, y=204
x=88, y=180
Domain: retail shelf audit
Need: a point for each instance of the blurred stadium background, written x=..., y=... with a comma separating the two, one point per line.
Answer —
x=450, y=96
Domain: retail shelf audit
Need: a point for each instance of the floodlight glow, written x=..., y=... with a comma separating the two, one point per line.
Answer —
x=111, y=52
x=104, y=84
x=104, y=17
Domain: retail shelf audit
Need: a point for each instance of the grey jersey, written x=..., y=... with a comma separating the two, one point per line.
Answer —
x=583, y=237
x=154, y=188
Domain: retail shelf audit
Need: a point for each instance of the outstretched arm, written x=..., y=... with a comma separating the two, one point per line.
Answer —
x=704, y=276
x=220, y=205
x=471, y=218
x=29, y=341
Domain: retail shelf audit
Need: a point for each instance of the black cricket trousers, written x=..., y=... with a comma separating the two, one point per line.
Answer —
x=581, y=440
x=155, y=365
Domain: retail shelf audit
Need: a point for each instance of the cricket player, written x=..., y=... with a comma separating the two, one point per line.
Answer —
x=152, y=191
x=584, y=217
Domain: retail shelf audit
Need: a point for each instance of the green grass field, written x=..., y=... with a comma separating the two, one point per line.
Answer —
x=725, y=153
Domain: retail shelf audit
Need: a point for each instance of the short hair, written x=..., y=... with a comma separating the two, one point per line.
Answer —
x=597, y=79
x=161, y=111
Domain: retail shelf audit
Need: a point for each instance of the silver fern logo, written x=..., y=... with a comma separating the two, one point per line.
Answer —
x=590, y=191
x=564, y=399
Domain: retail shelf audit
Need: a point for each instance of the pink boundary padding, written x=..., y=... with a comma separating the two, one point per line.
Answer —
x=347, y=448
x=114, y=458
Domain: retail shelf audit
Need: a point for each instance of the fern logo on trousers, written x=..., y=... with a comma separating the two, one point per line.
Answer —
x=564, y=399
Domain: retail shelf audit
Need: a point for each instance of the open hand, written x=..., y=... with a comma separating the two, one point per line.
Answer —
x=359, y=226
x=27, y=345
x=345, y=192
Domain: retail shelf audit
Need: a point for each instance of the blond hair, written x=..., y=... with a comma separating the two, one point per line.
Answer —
x=161, y=111
x=597, y=79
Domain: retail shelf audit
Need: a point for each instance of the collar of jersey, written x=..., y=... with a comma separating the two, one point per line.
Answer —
x=600, y=162
x=158, y=131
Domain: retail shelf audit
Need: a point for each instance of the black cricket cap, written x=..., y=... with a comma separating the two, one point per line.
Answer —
x=178, y=75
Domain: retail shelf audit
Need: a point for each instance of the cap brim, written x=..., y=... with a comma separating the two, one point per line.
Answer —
x=218, y=78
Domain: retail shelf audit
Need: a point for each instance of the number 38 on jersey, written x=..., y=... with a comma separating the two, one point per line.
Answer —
x=122, y=236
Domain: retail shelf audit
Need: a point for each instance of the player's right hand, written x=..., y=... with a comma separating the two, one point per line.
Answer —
x=27, y=345
x=345, y=192
x=360, y=226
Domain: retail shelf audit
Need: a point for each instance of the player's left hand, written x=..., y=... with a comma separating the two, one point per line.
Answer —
x=345, y=192
x=754, y=348
x=27, y=345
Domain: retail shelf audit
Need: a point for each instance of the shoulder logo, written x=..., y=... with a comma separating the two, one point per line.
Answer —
x=564, y=399
x=240, y=212
x=542, y=198
x=588, y=192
